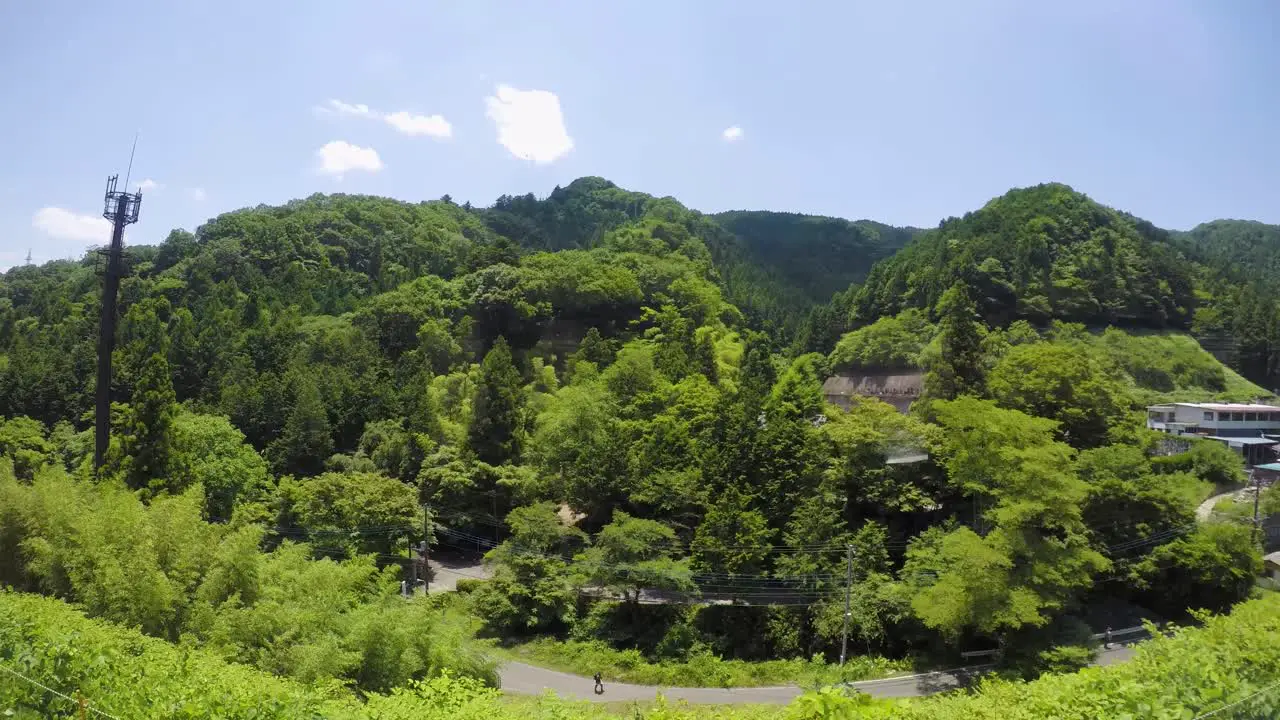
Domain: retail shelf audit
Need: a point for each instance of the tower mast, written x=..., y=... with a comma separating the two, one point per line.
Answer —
x=121, y=208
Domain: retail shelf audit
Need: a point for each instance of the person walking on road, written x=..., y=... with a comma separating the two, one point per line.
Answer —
x=599, y=684
x=1107, y=645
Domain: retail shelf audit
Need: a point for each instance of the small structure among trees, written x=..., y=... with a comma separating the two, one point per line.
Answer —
x=897, y=386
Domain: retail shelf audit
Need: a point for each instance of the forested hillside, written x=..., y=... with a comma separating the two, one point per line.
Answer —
x=1040, y=253
x=1049, y=253
x=597, y=388
x=820, y=256
x=1241, y=312
x=1243, y=248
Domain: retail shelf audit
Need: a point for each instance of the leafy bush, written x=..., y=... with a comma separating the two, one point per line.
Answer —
x=129, y=675
x=162, y=569
x=466, y=586
x=894, y=341
x=1196, y=671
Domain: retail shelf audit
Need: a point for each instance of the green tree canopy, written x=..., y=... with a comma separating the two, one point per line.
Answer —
x=632, y=554
x=891, y=341
x=532, y=588
x=1066, y=383
x=497, y=422
x=207, y=450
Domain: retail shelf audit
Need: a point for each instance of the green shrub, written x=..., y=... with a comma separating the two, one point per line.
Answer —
x=467, y=586
x=128, y=675
x=162, y=569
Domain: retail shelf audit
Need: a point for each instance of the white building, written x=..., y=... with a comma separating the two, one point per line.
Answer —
x=1272, y=565
x=1250, y=429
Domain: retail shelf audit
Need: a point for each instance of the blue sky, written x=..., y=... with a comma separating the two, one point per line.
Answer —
x=904, y=112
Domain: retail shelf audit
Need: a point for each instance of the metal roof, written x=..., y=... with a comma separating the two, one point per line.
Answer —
x=1273, y=558
x=1228, y=407
x=1269, y=466
x=1244, y=440
x=873, y=383
x=906, y=458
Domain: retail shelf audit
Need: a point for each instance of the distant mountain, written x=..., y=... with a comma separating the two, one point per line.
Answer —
x=818, y=255
x=1041, y=253
x=774, y=266
x=1240, y=248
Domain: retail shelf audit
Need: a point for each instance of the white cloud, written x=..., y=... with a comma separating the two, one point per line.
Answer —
x=732, y=134
x=63, y=224
x=433, y=125
x=403, y=121
x=339, y=157
x=148, y=185
x=530, y=124
x=341, y=108
x=197, y=194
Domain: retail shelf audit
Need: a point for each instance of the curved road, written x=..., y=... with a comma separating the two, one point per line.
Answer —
x=525, y=679
x=1205, y=510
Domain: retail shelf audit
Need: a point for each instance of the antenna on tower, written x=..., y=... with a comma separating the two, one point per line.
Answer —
x=129, y=173
x=28, y=256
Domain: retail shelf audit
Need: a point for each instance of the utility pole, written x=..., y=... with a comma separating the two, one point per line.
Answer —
x=411, y=584
x=428, y=525
x=1257, y=494
x=848, y=588
x=121, y=208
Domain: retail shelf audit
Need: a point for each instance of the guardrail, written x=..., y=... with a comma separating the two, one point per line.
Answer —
x=970, y=654
x=1122, y=631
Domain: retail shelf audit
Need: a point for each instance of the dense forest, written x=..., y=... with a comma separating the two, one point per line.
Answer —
x=1049, y=253
x=616, y=395
x=819, y=256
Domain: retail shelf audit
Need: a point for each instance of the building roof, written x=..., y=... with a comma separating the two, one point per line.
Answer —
x=1225, y=407
x=1274, y=467
x=876, y=383
x=906, y=457
x=1273, y=558
x=1244, y=440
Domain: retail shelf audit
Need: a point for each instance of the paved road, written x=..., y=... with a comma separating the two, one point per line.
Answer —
x=525, y=679
x=1206, y=508
x=447, y=571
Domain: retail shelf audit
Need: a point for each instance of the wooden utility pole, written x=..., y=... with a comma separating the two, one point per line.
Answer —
x=1257, y=495
x=411, y=584
x=848, y=589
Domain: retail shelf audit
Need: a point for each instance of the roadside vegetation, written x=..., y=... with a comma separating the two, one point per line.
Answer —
x=1233, y=662
x=704, y=669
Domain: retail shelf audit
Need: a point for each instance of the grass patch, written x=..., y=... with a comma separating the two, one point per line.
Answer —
x=1172, y=367
x=703, y=670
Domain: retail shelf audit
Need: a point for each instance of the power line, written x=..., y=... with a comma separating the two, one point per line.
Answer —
x=815, y=548
x=46, y=688
x=1241, y=701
